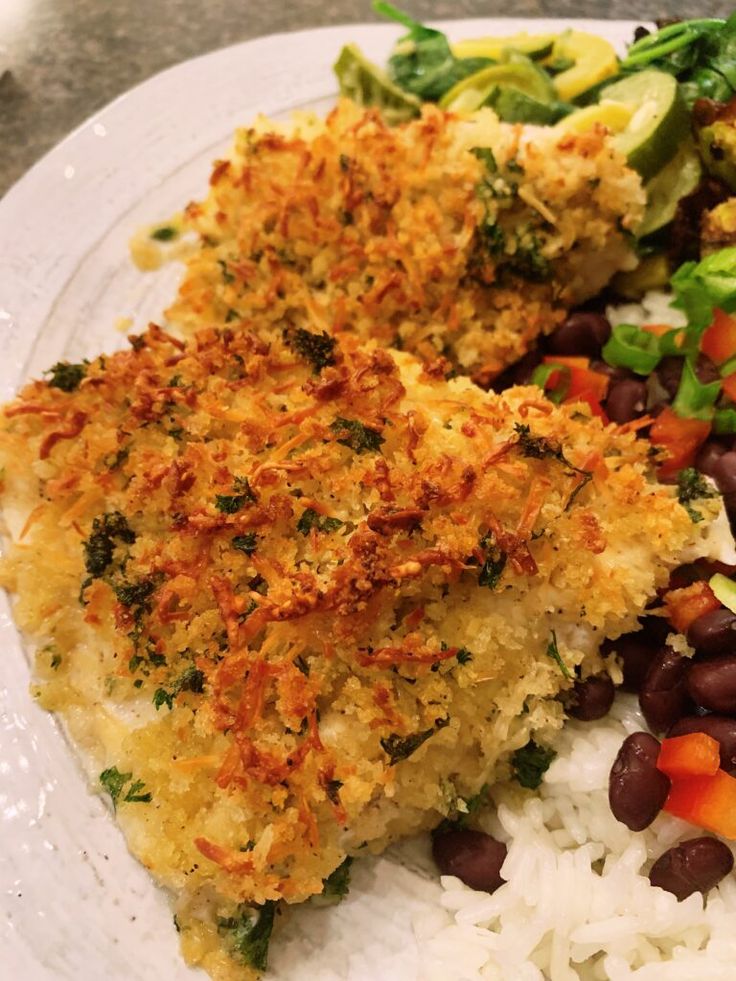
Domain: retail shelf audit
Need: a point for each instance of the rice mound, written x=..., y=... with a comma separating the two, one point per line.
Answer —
x=577, y=903
x=462, y=238
x=302, y=596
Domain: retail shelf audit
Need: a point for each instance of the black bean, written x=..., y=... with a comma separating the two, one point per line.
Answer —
x=663, y=695
x=696, y=865
x=712, y=685
x=724, y=472
x=719, y=727
x=591, y=699
x=708, y=456
x=713, y=633
x=636, y=788
x=626, y=400
x=636, y=651
x=583, y=333
x=706, y=370
x=669, y=371
x=614, y=372
x=473, y=856
x=519, y=373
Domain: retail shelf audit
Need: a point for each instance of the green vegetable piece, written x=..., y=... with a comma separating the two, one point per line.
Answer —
x=716, y=140
x=164, y=234
x=724, y=422
x=113, y=781
x=724, y=590
x=313, y=519
x=422, y=61
x=514, y=106
x=530, y=763
x=337, y=884
x=317, y=349
x=631, y=347
x=702, y=286
x=543, y=372
x=554, y=653
x=676, y=180
x=356, y=435
x=660, y=121
x=67, y=376
x=479, y=89
x=365, y=83
x=399, y=748
x=692, y=486
x=693, y=399
x=249, y=933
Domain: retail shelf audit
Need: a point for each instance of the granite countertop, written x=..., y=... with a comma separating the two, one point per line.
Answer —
x=61, y=60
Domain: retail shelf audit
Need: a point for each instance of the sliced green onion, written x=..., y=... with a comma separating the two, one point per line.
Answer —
x=671, y=342
x=695, y=400
x=727, y=368
x=631, y=347
x=724, y=422
x=543, y=373
x=724, y=590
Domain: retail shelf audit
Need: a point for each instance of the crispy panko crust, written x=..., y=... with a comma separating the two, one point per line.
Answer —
x=306, y=603
x=462, y=238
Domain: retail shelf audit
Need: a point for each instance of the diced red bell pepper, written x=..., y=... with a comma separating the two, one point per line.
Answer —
x=584, y=385
x=680, y=437
x=694, y=755
x=719, y=340
x=708, y=802
x=729, y=386
x=684, y=606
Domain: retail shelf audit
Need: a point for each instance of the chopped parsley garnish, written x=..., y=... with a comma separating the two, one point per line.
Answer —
x=317, y=349
x=337, y=884
x=554, y=653
x=192, y=679
x=67, y=376
x=464, y=655
x=245, y=543
x=249, y=933
x=164, y=234
x=491, y=570
x=360, y=438
x=100, y=546
x=227, y=276
x=113, y=781
x=539, y=447
x=134, y=593
x=311, y=519
x=692, y=486
x=232, y=503
x=485, y=155
x=530, y=763
x=399, y=748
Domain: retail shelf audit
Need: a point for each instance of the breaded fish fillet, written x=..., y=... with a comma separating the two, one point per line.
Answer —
x=298, y=599
x=445, y=237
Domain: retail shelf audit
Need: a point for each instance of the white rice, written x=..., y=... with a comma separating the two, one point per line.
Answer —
x=654, y=308
x=577, y=902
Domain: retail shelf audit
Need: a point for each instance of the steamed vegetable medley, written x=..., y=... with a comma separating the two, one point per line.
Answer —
x=670, y=376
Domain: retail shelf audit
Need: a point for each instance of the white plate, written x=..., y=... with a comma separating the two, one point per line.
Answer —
x=75, y=904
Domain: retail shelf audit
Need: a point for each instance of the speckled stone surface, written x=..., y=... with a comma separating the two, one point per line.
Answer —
x=61, y=60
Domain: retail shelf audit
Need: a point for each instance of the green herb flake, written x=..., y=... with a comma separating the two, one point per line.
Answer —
x=67, y=376
x=113, y=781
x=337, y=884
x=530, y=763
x=692, y=486
x=165, y=233
x=317, y=349
x=249, y=933
x=99, y=548
x=486, y=157
x=227, y=276
x=492, y=570
x=399, y=748
x=311, y=519
x=357, y=436
x=245, y=543
x=554, y=653
x=539, y=447
x=191, y=679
